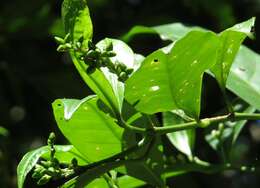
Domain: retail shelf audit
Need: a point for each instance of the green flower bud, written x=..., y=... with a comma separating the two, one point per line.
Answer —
x=74, y=162
x=68, y=46
x=51, y=139
x=62, y=48
x=38, y=172
x=109, y=54
x=122, y=66
x=46, y=164
x=67, y=37
x=44, y=179
x=109, y=47
x=91, y=45
x=91, y=69
x=122, y=77
x=81, y=39
x=93, y=54
x=129, y=71
x=59, y=40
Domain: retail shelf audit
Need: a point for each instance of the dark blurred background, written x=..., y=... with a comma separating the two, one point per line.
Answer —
x=33, y=74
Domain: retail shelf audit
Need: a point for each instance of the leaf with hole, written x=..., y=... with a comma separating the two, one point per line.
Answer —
x=173, y=81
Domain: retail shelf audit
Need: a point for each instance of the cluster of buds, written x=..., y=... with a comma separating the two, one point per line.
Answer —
x=95, y=58
x=51, y=169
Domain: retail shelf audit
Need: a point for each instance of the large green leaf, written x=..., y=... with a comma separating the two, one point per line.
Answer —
x=231, y=39
x=31, y=158
x=169, y=81
x=77, y=21
x=182, y=140
x=92, y=131
x=244, y=77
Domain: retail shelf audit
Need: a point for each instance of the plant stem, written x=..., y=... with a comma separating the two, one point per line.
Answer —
x=206, y=122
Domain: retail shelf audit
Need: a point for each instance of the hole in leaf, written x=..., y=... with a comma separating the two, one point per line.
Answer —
x=155, y=60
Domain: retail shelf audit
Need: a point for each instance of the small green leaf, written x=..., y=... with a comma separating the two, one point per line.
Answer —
x=31, y=158
x=182, y=140
x=92, y=131
x=173, y=81
x=77, y=21
x=231, y=39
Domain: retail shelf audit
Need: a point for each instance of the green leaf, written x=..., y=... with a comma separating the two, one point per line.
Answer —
x=92, y=131
x=171, y=31
x=240, y=124
x=128, y=181
x=231, y=39
x=125, y=55
x=244, y=77
x=31, y=158
x=173, y=81
x=182, y=140
x=77, y=21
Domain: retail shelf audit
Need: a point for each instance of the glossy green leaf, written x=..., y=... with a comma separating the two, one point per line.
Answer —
x=87, y=126
x=31, y=158
x=231, y=39
x=171, y=31
x=77, y=21
x=125, y=55
x=243, y=83
x=173, y=81
x=244, y=77
x=182, y=140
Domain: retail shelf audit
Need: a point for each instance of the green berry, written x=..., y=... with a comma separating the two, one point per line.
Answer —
x=44, y=179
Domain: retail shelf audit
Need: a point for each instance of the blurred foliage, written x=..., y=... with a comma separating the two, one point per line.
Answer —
x=32, y=74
